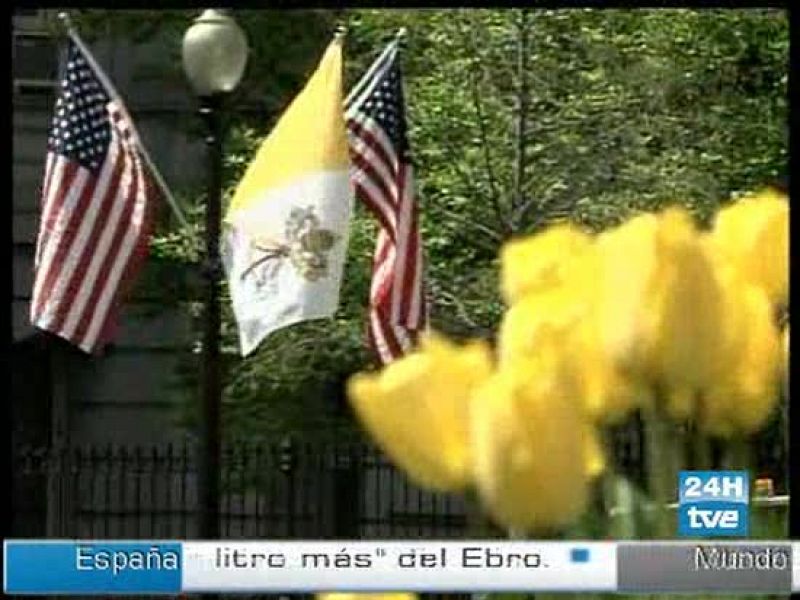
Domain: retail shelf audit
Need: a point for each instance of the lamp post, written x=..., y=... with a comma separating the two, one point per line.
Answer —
x=214, y=58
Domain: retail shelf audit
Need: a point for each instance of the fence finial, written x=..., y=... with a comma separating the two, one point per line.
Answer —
x=341, y=30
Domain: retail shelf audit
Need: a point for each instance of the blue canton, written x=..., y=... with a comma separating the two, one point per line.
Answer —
x=81, y=128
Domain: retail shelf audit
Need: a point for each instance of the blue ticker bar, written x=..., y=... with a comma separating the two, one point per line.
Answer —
x=70, y=567
x=124, y=567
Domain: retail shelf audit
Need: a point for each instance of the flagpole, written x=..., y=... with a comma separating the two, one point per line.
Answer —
x=362, y=88
x=73, y=34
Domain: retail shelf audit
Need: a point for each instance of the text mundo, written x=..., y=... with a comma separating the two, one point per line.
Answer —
x=468, y=557
x=723, y=558
x=89, y=558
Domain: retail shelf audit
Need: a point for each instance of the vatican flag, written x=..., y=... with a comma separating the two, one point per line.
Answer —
x=286, y=233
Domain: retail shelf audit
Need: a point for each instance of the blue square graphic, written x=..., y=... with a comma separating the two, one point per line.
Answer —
x=713, y=503
x=579, y=555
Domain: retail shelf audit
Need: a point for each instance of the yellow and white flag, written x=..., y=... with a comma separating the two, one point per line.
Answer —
x=287, y=226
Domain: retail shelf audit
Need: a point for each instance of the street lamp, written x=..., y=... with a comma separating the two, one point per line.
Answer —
x=214, y=57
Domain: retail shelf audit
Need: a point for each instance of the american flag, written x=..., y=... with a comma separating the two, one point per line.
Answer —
x=96, y=200
x=383, y=178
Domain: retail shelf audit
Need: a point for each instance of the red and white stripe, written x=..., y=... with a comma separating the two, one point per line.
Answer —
x=92, y=238
x=385, y=184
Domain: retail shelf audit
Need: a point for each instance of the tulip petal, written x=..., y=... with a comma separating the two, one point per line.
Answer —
x=366, y=596
x=539, y=261
x=753, y=233
x=417, y=409
x=742, y=399
x=529, y=449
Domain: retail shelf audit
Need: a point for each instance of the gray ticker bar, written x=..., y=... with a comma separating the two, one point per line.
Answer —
x=704, y=567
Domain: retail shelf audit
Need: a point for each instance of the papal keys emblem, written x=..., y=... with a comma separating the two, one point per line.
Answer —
x=306, y=248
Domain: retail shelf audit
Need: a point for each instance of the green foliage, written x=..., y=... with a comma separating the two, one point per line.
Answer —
x=517, y=119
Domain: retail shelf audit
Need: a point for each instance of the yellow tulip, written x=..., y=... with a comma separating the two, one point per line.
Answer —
x=608, y=395
x=657, y=308
x=536, y=262
x=744, y=395
x=366, y=596
x=531, y=454
x=625, y=266
x=417, y=409
x=594, y=455
x=685, y=313
x=564, y=313
x=753, y=234
x=537, y=316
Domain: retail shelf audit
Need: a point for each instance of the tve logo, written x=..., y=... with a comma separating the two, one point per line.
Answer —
x=713, y=503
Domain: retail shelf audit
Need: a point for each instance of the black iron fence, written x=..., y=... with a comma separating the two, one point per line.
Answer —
x=270, y=490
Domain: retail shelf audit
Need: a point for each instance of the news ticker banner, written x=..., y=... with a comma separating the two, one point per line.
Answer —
x=64, y=567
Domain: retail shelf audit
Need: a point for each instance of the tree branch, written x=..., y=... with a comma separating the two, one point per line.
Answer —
x=495, y=235
x=522, y=211
x=523, y=99
x=488, y=231
x=559, y=207
x=502, y=221
x=437, y=289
